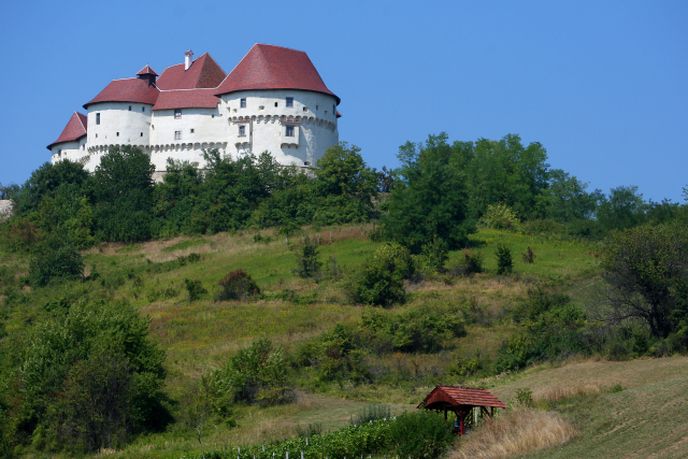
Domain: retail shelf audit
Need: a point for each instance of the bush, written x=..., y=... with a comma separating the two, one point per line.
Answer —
x=472, y=264
x=55, y=259
x=90, y=379
x=308, y=263
x=504, y=262
x=371, y=413
x=238, y=285
x=421, y=434
x=529, y=255
x=381, y=281
x=500, y=216
x=195, y=289
x=524, y=397
x=257, y=374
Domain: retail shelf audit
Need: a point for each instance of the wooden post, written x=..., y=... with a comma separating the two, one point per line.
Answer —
x=461, y=426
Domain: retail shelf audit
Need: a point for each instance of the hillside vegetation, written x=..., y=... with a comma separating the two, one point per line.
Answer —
x=259, y=309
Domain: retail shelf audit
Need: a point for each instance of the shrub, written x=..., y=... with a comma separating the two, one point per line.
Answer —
x=504, y=262
x=500, y=216
x=529, y=256
x=371, y=413
x=90, y=379
x=256, y=374
x=381, y=281
x=195, y=289
x=54, y=259
x=308, y=264
x=434, y=255
x=472, y=264
x=420, y=434
x=524, y=397
x=238, y=285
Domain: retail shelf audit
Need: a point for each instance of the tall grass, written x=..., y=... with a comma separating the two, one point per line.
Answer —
x=514, y=433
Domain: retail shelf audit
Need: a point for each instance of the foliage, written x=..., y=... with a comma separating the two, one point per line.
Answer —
x=89, y=379
x=238, y=285
x=55, y=259
x=381, y=280
x=429, y=202
x=647, y=269
x=565, y=198
x=500, y=216
x=552, y=328
x=371, y=413
x=45, y=180
x=122, y=190
x=624, y=208
x=529, y=255
x=418, y=330
x=524, y=397
x=505, y=263
x=308, y=263
x=256, y=374
x=175, y=199
x=194, y=289
x=423, y=435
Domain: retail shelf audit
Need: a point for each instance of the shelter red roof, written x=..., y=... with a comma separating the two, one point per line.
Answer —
x=147, y=70
x=74, y=130
x=204, y=72
x=454, y=396
x=186, y=98
x=274, y=67
x=127, y=90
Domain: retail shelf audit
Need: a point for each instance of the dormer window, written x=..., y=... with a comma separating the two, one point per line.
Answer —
x=290, y=101
x=97, y=118
x=177, y=113
x=289, y=131
x=242, y=102
x=242, y=131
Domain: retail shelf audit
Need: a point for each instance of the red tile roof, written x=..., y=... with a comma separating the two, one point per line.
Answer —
x=147, y=70
x=74, y=130
x=204, y=72
x=274, y=67
x=186, y=98
x=453, y=396
x=136, y=90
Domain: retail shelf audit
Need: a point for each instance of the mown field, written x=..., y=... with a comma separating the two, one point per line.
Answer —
x=199, y=336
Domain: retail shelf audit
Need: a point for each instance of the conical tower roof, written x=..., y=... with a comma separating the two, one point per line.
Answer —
x=74, y=130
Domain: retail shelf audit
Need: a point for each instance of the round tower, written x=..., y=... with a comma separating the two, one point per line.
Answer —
x=276, y=101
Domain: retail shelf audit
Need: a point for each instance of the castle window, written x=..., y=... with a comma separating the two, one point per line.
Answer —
x=305, y=109
x=177, y=114
x=117, y=134
x=289, y=132
x=290, y=101
x=130, y=108
x=242, y=131
x=177, y=135
x=140, y=134
x=242, y=103
x=192, y=130
x=97, y=118
x=306, y=163
x=276, y=104
x=143, y=109
x=334, y=109
x=317, y=107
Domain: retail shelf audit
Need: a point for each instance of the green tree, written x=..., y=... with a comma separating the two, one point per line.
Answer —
x=429, y=201
x=565, y=199
x=647, y=269
x=624, y=208
x=308, y=264
x=381, y=281
x=176, y=198
x=45, y=180
x=55, y=258
x=122, y=190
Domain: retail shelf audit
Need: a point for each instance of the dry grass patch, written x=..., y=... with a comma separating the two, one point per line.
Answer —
x=515, y=433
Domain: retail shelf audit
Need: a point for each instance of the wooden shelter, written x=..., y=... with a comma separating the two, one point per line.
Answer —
x=461, y=401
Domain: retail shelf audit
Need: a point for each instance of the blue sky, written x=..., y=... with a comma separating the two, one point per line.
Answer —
x=603, y=85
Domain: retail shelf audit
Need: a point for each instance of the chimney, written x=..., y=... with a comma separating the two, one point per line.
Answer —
x=187, y=59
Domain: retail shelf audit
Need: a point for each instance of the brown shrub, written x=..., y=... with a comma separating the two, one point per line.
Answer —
x=238, y=285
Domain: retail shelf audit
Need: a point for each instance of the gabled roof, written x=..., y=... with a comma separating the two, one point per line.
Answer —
x=204, y=72
x=186, y=98
x=136, y=90
x=274, y=67
x=147, y=70
x=74, y=130
x=453, y=396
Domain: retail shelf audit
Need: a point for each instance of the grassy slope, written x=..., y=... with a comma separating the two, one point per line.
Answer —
x=199, y=336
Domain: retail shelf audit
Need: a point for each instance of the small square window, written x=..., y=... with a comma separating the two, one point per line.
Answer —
x=289, y=131
x=242, y=103
x=118, y=134
x=290, y=101
x=276, y=104
x=242, y=131
x=177, y=135
x=177, y=114
x=97, y=118
x=305, y=109
x=192, y=130
x=130, y=108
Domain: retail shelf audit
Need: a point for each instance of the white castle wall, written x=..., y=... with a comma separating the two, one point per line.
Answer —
x=71, y=151
x=266, y=116
x=121, y=123
x=209, y=131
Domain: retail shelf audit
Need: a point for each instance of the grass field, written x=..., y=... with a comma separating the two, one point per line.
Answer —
x=201, y=335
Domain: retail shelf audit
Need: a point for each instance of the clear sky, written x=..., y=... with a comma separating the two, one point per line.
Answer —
x=602, y=84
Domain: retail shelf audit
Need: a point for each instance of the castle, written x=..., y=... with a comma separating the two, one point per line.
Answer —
x=274, y=100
